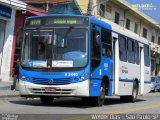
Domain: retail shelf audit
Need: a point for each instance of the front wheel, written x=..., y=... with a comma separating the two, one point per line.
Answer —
x=47, y=100
x=99, y=101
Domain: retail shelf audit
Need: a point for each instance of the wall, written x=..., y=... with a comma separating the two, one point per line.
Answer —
x=5, y=68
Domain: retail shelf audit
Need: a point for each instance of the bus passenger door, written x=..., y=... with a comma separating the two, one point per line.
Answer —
x=141, y=69
x=116, y=63
x=96, y=72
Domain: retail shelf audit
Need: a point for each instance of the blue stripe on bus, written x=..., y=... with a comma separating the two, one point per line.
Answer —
x=129, y=80
x=147, y=82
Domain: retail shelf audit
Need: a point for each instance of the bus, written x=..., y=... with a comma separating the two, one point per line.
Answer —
x=82, y=56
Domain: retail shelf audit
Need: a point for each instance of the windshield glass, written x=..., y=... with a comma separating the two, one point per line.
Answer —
x=58, y=48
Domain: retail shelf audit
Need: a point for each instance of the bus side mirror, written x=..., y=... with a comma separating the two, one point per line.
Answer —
x=97, y=38
x=49, y=41
x=62, y=43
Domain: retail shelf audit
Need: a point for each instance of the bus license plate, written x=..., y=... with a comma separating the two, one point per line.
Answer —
x=50, y=89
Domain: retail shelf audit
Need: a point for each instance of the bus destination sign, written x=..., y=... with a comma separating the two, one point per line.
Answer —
x=62, y=21
x=58, y=21
x=35, y=22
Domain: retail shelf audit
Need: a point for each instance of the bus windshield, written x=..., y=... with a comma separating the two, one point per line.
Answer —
x=57, y=48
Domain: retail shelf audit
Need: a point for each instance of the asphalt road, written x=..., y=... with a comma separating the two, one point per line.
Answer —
x=147, y=104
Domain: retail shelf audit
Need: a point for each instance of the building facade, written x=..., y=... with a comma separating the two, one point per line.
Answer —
x=7, y=23
x=48, y=5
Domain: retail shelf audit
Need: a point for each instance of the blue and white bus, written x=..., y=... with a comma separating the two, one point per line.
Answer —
x=82, y=56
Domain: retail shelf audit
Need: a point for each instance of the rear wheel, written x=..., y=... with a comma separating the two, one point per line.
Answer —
x=154, y=90
x=47, y=100
x=99, y=101
x=133, y=97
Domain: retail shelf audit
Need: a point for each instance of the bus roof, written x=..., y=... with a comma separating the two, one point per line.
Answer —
x=50, y=15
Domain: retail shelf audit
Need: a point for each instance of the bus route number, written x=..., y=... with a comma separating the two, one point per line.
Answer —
x=71, y=74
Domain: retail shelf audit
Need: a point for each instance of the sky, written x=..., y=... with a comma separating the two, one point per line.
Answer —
x=149, y=7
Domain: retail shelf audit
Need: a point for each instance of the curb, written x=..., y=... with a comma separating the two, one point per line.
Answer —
x=9, y=96
x=5, y=88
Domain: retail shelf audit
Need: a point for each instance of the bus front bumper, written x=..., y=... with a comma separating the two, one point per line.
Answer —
x=32, y=90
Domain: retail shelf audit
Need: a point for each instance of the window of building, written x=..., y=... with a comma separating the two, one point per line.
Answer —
x=128, y=23
x=159, y=40
x=137, y=53
x=144, y=32
x=153, y=38
x=108, y=8
x=122, y=49
x=106, y=43
x=102, y=10
x=136, y=28
x=146, y=56
x=117, y=16
x=131, y=47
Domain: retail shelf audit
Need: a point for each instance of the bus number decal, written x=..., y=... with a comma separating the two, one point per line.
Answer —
x=71, y=74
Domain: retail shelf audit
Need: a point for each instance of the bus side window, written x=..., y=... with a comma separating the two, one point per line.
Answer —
x=122, y=48
x=131, y=51
x=146, y=56
x=137, y=57
x=106, y=43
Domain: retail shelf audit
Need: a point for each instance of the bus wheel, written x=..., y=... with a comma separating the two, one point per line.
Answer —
x=154, y=90
x=133, y=97
x=99, y=101
x=47, y=100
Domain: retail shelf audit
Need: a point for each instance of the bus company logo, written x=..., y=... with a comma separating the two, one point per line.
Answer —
x=144, y=6
x=50, y=81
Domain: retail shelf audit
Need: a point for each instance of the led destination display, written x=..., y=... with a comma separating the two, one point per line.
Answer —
x=48, y=21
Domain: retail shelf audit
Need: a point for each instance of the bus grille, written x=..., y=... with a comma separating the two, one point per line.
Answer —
x=46, y=81
x=57, y=92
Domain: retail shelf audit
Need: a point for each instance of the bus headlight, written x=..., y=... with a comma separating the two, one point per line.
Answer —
x=84, y=77
x=25, y=78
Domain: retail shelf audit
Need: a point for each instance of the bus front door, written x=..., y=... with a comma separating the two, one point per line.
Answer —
x=141, y=69
x=116, y=63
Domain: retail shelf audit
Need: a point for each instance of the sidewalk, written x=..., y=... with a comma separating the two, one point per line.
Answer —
x=5, y=90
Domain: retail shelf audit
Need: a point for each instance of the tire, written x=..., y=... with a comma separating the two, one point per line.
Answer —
x=133, y=97
x=47, y=100
x=154, y=90
x=99, y=101
x=86, y=99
